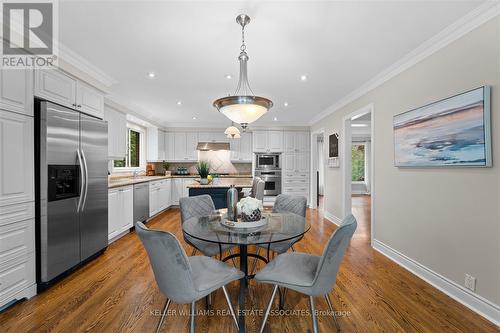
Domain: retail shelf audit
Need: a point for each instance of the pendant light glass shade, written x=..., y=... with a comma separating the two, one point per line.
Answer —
x=243, y=107
x=232, y=130
x=235, y=136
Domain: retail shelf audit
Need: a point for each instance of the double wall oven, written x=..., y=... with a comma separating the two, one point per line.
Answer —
x=268, y=167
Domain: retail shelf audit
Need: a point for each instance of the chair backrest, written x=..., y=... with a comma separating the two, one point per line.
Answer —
x=286, y=203
x=253, y=191
x=198, y=206
x=259, y=189
x=170, y=264
x=328, y=266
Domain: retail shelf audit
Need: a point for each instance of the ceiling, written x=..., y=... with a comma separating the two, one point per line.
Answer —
x=191, y=46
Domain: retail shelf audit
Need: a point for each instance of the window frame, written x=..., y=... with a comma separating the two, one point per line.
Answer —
x=142, y=150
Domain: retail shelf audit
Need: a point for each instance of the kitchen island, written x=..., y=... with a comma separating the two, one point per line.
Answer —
x=218, y=191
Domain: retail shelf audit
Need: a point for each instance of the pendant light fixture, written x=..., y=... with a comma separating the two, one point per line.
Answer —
x=243, y=107
x=232, y=132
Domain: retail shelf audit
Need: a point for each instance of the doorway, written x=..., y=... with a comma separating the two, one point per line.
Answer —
x=357, y=162
x=317, y=169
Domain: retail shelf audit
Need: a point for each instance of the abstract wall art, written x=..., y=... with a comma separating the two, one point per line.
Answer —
x=451, y=132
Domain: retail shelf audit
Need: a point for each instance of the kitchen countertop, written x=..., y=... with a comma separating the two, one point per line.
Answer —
x=125, y=181
x=225, y=183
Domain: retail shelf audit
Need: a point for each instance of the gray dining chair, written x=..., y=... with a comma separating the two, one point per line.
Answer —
x=308, y=274
x=258, y=186
x=181, y=278
x=196, y=207
x=285, y=203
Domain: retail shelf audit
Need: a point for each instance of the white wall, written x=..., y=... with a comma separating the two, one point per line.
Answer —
x=446, y=219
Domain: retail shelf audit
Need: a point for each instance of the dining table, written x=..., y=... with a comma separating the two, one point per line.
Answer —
x=213, y=228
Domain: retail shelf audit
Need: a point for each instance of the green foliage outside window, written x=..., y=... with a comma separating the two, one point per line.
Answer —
x=358, y=163
x=133, y=159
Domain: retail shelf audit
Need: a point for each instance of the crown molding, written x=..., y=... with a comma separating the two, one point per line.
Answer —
x=459, y=28
x=74, y=59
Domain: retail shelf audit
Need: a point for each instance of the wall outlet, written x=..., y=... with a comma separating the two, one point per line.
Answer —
x=470, y=282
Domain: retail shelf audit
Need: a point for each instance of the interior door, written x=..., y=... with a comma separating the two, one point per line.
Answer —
x=94, y=210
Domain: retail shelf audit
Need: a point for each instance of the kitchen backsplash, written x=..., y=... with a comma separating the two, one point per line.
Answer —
x=220, y=162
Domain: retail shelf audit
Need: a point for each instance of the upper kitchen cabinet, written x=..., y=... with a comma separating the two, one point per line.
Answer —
x=16, y=90
x=17, y=158
x=185, y=146
x=117, y=133
x=268, y=141
x=58, y=87
x=89, y=100
x=241, y=149
x=295, y=142
x=155, y=145
x=169, y=146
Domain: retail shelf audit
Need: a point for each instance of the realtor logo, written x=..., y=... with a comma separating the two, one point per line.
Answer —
x=29, y=31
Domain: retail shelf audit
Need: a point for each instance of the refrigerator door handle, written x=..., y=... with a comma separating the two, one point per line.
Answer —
x=82, y=182
x=86, y=180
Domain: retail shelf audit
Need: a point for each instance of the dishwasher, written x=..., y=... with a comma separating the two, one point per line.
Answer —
x=141, y=202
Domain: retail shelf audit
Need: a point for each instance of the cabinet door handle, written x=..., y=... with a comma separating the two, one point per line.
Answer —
x=78, y=106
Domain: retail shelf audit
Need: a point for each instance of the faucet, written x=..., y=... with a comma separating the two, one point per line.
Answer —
x=136, y=173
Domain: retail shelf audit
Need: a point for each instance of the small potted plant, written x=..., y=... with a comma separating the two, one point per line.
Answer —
x=203, y=168
x=250, y=209
x=166, y=166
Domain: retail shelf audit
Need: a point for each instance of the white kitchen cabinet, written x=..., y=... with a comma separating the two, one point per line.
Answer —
x=16, y=90
x=155, y=145
x=296, y=141
x=177, y=193
x=16, y=160
x=120, y=210
x=241, y=149
x=89, y=100
x=117, y=133
x=268, y=141
x=296, y=162
x=17, y=278
x=185, y=146
x=260, y=141
x=58, y=87
x=55, y=86
x=169, y=146
x=275, y=141
x=159, y=196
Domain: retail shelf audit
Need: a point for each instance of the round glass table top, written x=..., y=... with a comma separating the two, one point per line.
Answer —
x=280, y=227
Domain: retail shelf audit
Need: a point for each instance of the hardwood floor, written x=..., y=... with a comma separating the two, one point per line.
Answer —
x=117, y=293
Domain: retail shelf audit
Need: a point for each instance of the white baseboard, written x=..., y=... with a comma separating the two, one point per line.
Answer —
x=471, y=300
x=332, y=218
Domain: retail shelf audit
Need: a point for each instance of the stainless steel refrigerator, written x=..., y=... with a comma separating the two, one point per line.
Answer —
x=71, y=189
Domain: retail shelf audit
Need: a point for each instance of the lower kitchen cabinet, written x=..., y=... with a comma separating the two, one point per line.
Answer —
x=120, y=210
x=179, y=189
x=159, y=196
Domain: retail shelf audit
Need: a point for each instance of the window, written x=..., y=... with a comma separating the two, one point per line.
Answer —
x=135, y=150
x=358, y=162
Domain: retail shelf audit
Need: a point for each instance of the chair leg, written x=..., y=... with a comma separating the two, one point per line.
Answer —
x=254, y=265
x=232, y=259
x=313, y=315
x=193, y=313
x=293, y=250
x=163, y=315
x=208, y=301
x=282, y=298
x=333, y=312
x=230, y=307
x=193, y=252
x=268, y=308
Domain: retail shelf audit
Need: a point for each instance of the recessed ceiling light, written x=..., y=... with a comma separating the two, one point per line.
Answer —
x=194, y=118
x=228, y=76
x=179, y=102
x=303, y=77
x=151, y=75
x=285, y=104
x=275, y=118
x=359, y=125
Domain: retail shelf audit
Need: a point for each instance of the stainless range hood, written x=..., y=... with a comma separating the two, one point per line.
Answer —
x=206, y=146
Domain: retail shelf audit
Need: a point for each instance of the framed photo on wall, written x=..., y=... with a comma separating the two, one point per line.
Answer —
x=452, y=132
